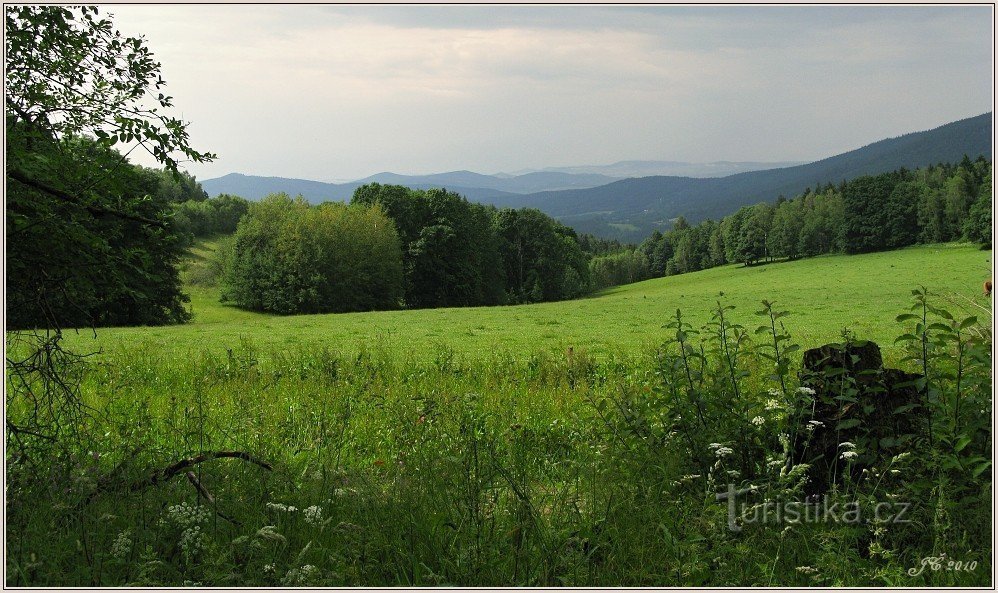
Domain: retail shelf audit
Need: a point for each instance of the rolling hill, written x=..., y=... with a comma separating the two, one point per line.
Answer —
x=630, y=209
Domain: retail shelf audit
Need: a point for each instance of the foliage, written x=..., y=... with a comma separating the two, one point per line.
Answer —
x=869, y=213
x=289, y=257
x=456, y=253
x=86, y=245
x=554, y=469
x=74, y=264
x=208, y=217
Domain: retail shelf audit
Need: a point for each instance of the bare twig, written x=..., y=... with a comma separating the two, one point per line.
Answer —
x=209, y=498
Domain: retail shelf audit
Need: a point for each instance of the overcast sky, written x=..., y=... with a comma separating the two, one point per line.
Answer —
x=333, y=92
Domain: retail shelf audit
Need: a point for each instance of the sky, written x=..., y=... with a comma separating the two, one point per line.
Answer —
x=341, y=92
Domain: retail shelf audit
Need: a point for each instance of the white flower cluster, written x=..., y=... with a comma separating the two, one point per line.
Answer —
x=773, y=404
x=284, y=508
x=775, y=392
x=187, y=515
x=812, y=424
x=720, y=450
x=313, y=515
x=758, y=421
x=805, y=390
x=191, y=540
x=122, y=545
x=300, y=576
x=849, y=452
x=807, y=569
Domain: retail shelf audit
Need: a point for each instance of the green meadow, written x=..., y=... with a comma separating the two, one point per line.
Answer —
x=578, y=443
x=823, y=294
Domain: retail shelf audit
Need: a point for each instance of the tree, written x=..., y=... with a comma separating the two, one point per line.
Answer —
x=289, y=257
x=85, y=245
x=449, y=248
x=977, y=226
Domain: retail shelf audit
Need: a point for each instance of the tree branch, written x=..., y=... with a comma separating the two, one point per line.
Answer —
x=66, y=197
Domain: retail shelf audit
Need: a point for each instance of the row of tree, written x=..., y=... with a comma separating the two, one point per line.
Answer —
x=939, y=203
x=397, y=247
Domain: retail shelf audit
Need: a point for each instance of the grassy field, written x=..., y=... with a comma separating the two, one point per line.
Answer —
x=471, y=447
x=823, y=294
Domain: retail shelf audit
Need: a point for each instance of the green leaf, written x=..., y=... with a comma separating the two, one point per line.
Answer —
x=968, y=322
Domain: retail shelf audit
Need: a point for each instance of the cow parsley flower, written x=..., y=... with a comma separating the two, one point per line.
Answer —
x=847, y=455
x=773, y=404
x=812, y=424
x=313, y=514
x=284, y=508
x=758, y=421
x=187, y=515
x=723, y=451
x=122, y=545
x=775, y=392
x=191, y=540
x=300, y=576
x=805, y=391
x=847, y=446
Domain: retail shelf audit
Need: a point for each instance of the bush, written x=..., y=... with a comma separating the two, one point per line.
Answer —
x=288, y=257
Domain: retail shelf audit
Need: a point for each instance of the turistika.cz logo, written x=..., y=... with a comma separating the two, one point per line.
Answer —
x=820, y=511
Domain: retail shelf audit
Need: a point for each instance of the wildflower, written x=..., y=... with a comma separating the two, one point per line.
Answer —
x=807, y=569
x=713, y=446
x=812, y=424
x=122, y=545
x=772, y=404
x=187, y=515
x=284, y=508
x=847, y=455
x=300, y=576
x=268, y=568
x=848, y=446
x=723, y=451
x=775, y=392
x=191, y=540
x=313, y=514
x=900, y=456
x=805, y=391
x=758, y=421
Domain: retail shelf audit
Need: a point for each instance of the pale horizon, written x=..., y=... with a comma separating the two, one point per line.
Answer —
x=334, y=93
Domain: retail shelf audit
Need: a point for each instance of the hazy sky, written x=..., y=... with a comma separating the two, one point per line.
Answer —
x=334, y=92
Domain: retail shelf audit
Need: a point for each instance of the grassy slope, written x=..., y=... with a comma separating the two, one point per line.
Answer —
x=824, y=295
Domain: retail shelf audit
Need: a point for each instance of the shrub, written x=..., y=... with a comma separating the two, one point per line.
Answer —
x=288, y=257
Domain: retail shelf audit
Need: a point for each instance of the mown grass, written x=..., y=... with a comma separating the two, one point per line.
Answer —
x=825, y=294
x=472, y=447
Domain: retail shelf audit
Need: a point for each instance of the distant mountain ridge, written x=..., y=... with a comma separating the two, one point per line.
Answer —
x=630, y=209
x=667, y=168
x=473, y=185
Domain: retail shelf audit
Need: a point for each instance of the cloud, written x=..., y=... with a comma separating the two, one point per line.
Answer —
x=330, y=91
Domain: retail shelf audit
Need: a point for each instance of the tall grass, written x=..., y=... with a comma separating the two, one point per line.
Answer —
x=388, y=467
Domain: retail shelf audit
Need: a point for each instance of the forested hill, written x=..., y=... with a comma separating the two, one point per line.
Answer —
x=253, y=187
x=632, y=208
